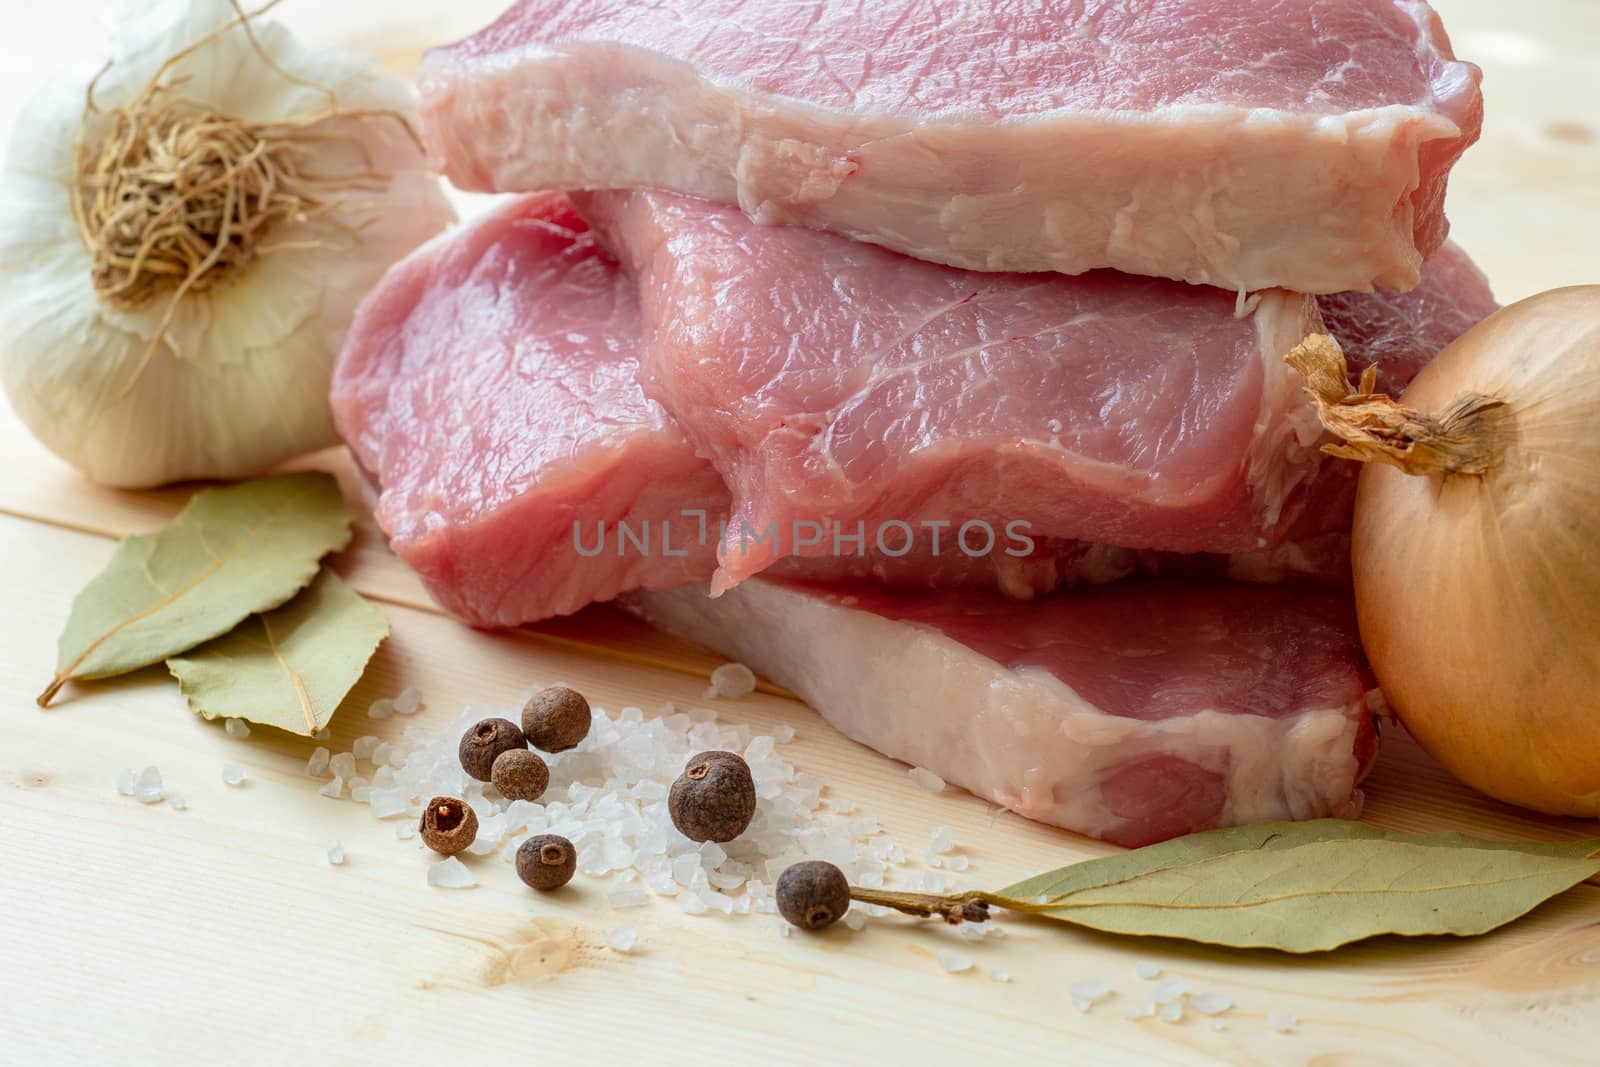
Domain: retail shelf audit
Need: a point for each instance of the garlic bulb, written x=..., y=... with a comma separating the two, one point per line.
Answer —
x=181, y=251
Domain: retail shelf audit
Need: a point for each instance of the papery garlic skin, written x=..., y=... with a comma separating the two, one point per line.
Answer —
x=239, y=379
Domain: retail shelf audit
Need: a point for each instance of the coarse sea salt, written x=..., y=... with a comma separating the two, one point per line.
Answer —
x=942, y=840
x=1169, y=991
x=380, y=709
x=177, y=803
x=237, y=729
x=127, y=781
x=953, y=962
x=1146, y=970
x=1172, y=1013
x=1210, y=1003
x=451, y=873
x=926, y=779
x=1283, y=1023
x=318, y=763
x=732, y=681
x=147, y=787
x=608, y=797
x=232, y=774
x=334, y=788
x=409, y=702
x=623, y=938
x=996, y=974
x=335, y=853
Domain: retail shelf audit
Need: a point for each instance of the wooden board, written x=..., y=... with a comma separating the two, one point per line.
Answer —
x=143, y=934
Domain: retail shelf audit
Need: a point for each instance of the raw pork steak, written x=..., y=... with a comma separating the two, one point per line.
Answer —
x=836, y=382
x=1240, y=143
x=488, y=386
x=488, y=389
x=1134, y=712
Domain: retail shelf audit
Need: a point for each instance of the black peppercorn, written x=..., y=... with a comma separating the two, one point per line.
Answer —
x=813, y=894
x=448, y=825
x=714, y=798
x=486, y=740
x=519, y=774
x=546, y=862
x=556, y=719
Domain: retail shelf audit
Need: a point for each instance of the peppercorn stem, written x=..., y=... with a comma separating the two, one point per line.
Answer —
x=971, y=906
x=952, y=908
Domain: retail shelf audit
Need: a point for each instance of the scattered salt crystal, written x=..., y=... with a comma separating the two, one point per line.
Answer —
x=926, y=779
x=361, y=794
x=380, y=709
x=1216, y=1024
x=1146, y=970
x=1169, y=991
x=943, y=839
x=732, y=681
x=147, y=787
x=957, y=863
x=855, y=919
x=1086, y=994
x=362, y=746
x=177, y=803
x=1140, y=1011
x=317, y=763
x=232, y=774
x=685, y=867
x=334, y=788
x=451, y=873
x=1210, y=1003
x=387, y=803
x=631, y=897
x=1171, y=1013
x=343, y=765
x=1283, y=1023
x=381, y=753
x=323, y=734
x=691, y=903
x=1090, y=990
x=953, y=962
x=784, y=929
x=237, y=729
x=335, y=853
x=126, y=779
x=998, y=975
x=408, y=702
x=623, y=938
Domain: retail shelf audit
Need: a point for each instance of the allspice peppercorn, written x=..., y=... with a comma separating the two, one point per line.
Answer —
x=714, y=798
x=556, y=719
x=448, y=825
x=486, y=740
x=813, y=895
x=519, y=774
x=546, y=861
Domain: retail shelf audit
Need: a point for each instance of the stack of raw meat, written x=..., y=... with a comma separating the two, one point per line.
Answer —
x=928, y=357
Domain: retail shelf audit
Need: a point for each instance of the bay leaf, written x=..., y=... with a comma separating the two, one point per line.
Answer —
x=229, y=553
x=1308, y=887
x=288, y=668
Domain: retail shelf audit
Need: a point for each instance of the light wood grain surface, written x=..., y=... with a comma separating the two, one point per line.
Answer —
x=138, y=934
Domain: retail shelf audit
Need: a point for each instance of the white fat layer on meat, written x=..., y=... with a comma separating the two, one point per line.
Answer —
x=1021, y=738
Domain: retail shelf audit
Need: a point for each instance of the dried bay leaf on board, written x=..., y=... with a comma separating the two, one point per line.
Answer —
x=228, y=554
x=1308, y=887
x=288, y=668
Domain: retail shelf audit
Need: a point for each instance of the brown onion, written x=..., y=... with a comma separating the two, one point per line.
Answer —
x=1477, y=546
